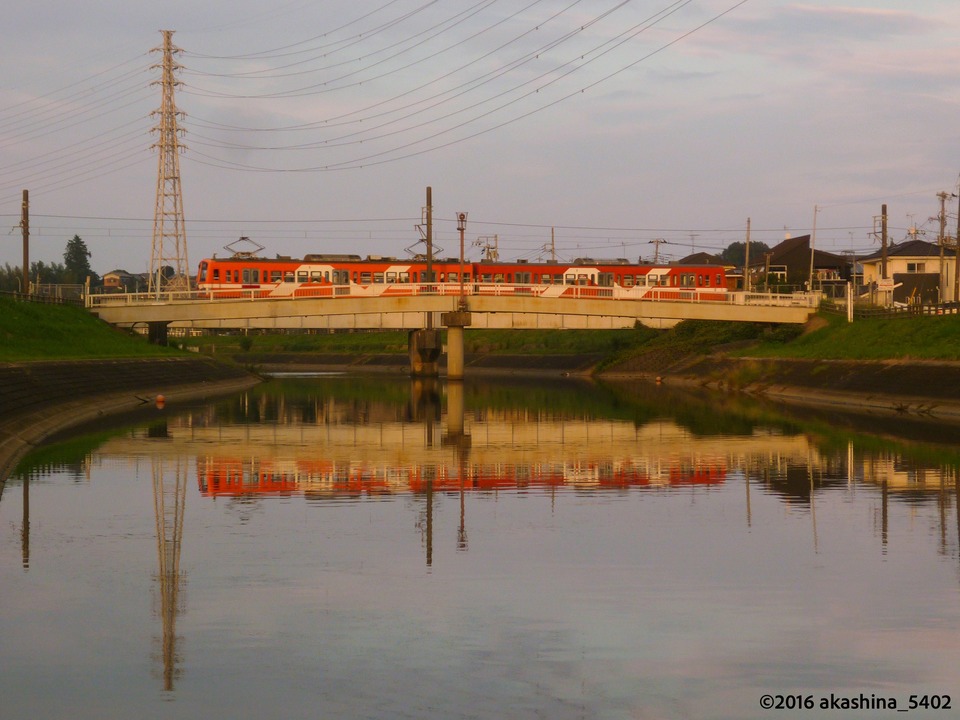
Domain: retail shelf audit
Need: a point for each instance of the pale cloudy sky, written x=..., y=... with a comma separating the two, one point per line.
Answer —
x=316, y=126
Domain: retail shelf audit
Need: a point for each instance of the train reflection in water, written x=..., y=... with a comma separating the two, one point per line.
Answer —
x=219, y=476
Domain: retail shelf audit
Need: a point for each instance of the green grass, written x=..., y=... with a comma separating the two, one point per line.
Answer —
x=33, y=331
x=915, y=338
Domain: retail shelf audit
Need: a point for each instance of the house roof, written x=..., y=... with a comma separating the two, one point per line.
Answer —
x=790, y=248
x=911, y=248
x=701, y=258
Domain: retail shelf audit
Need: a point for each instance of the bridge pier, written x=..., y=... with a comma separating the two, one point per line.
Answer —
x=455, y=323
x=424, y=348
x=157, y=332
x=455, y=410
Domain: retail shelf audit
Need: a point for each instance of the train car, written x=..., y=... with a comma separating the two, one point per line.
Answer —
x=322, y=275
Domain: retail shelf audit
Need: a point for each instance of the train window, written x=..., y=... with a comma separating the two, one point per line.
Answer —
x=415, y=277
x=391, y=277
x=628, y=280
x=274, y=276
x=605, y=279
x=316, y=276
x=302, y=276
x=255, y=276
x=203, y=272
x=581, y=279
x=719, y=280
x=403, y=277
x=453, y=277
x=326, y=275
x=365, y=278
x=571, y=279
x=466, y=277
x=288, y=276
x=498, y=277
x=522, y=278
x=706, y=281
x=443, y=277
x=486, y=277
x=216, y=274
x=378, y=277
x=246, y=276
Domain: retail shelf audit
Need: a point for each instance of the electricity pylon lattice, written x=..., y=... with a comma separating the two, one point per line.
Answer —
x=169, y=268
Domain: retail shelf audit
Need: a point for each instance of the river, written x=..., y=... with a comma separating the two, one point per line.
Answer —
x=354, y=547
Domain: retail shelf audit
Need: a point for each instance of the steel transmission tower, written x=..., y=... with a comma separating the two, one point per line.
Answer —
x=169, y=237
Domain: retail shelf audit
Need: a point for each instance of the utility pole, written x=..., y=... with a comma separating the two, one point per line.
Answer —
x=813, y=240
x=25, y=229
x=941, y=241
x=169, y=236
x=883, y=241
x=429, y=239
x=956, y=260
x=746, y=261
x=656, y=252
x=462, y=226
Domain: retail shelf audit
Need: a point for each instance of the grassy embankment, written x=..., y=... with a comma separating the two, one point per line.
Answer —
x=50, y=332
x=30, y=331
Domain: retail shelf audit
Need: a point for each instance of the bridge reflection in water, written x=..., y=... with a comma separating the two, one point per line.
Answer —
x=425, y=440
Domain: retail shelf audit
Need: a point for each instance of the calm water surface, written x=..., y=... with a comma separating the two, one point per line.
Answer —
x=355, y=548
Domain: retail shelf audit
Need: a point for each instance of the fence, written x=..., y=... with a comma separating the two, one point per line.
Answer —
x=54, y=299
x=863, y=312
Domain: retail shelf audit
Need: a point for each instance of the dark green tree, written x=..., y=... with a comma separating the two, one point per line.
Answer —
x=76, y=259
x=736, y=252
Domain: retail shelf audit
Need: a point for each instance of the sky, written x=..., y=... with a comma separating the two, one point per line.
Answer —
x=586, y=128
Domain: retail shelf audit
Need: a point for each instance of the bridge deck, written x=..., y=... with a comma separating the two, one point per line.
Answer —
x=491, y=306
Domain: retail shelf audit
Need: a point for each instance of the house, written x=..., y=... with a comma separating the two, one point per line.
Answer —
x=122, y=281
x=915, y=273
x=789, y=264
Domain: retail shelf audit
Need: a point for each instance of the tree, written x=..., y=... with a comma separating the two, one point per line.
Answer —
x=736, y=253
x=76, y=259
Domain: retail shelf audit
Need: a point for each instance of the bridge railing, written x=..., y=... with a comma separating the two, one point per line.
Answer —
x=572, y=292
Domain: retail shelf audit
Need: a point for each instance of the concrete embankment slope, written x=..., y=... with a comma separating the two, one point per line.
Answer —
x=38, y=399
x=918, y=388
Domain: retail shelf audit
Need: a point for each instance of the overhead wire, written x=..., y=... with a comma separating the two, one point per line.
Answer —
x=596, y=52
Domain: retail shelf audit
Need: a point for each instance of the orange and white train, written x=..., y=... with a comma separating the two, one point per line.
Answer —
x=333, y=274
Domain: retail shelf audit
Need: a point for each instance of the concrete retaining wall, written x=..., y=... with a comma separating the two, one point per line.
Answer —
x=38, y=399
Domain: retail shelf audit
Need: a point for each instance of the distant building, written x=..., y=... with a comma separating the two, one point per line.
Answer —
x=122, y=281
x=914, y=273
x=702, y=258
x=788, y=264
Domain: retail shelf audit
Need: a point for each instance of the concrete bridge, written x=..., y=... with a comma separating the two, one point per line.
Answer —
x=421, y=308
x=408, y=307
